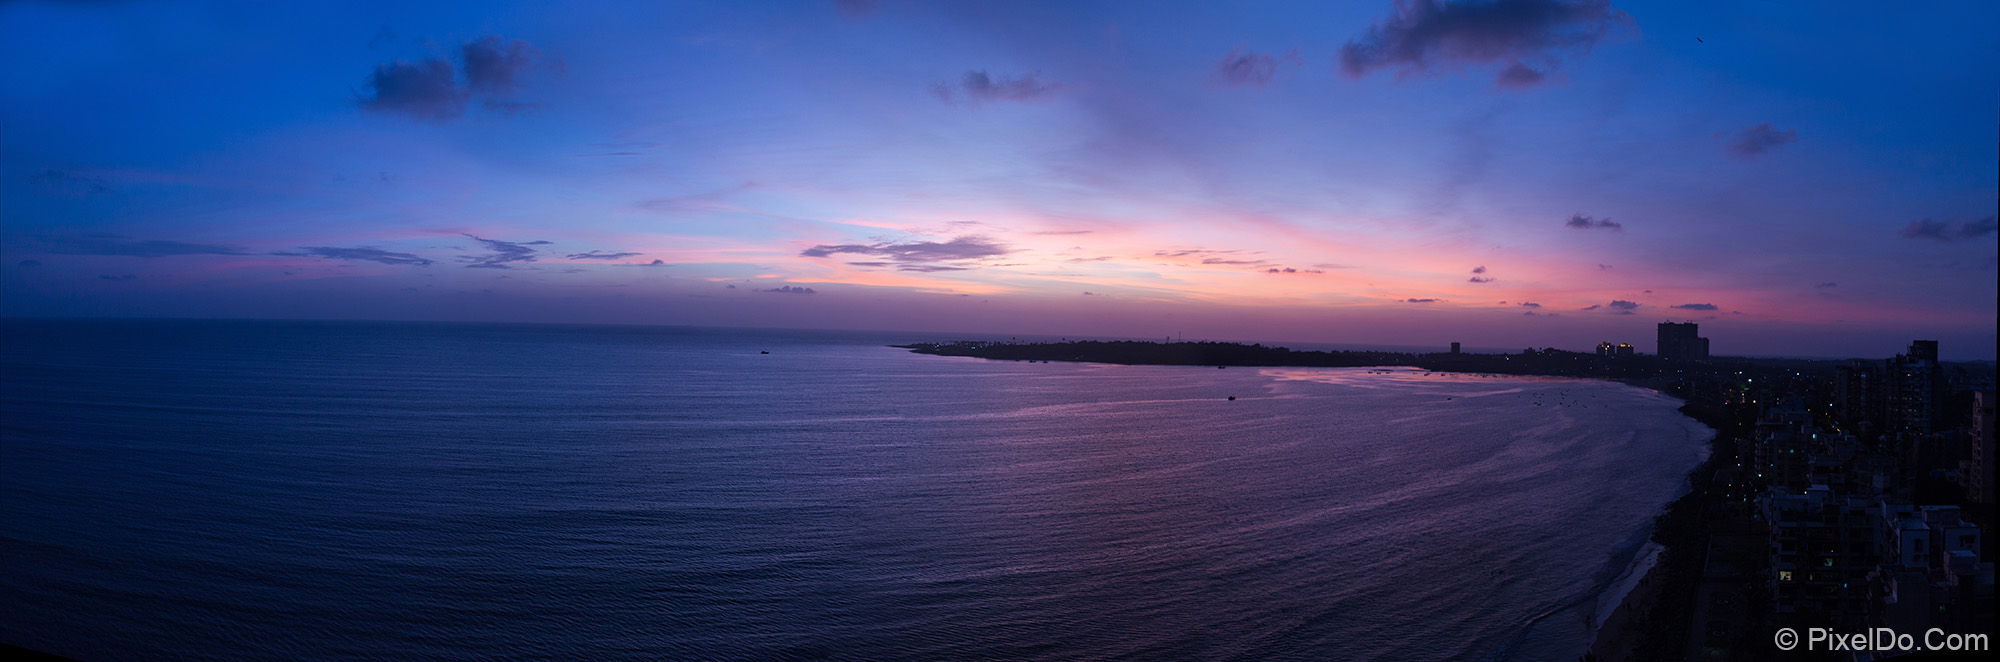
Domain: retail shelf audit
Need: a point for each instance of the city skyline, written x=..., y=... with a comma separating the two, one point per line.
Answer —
x=1799, y=180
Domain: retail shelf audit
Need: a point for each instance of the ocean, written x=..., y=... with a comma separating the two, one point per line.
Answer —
x=324, y=490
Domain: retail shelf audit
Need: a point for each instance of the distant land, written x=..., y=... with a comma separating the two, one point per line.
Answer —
x=1546, y=361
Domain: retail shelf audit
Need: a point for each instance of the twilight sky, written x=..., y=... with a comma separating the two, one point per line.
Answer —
x=1803, y=178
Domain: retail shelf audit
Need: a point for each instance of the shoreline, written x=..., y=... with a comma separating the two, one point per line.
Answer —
x=1614, y=637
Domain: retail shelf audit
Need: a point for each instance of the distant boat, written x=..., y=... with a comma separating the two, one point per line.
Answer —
x=763, y=352
x=1232, y=398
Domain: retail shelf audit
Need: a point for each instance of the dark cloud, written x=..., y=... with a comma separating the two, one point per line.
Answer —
x=1530, y=304
x=1290, y=270
x=1695, y=306
x=1479, y=269
x=1623, y=307
x=363, y=254
x=424, y=90
x=1826, y=285
x=921, y=256
x=1603, y=267
x=1584, y=222
x=57, y=180
x=430, y=90
x=1240, y=68
x=118, y=277
x=594, y=255
x=978, y=87
x=791, y=290
x=1479, y=279
x=1089, y=293
x=1424, y=36
x=654, y=263
x=494, y=65
x=1942, y=231
x=1591, y=307
x=1759, y=139
x=857, y=8
x=1519, y=76
x=111, y=244
x=503, y=253
x=1416, y=300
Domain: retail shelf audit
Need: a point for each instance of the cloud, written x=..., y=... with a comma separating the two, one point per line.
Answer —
x=1479, y=279
x=429, y=89
x=1424, y=36
x=1941, y=231
x=1759, y=139
x=1530, y=304
x=1240, y=68
x=56, y=180
x=503, y=252
x=1089, y=293
x=364, y=254
x=1623, y=307
x=1826, y=285
x=494, y=65
x=111, y=244
x=978, y=87
x=1603, y=267
x=1226, y=261
x=856, y=8
x=1582, y=221
x=424, y=90
x=920, y=256
x=1055, y=232
x=1519, y=76
x=1416, y=300
x=1591, y=307
x=112, y=277
x=791, y=290
x=1479, y=269
x=1695, y=306
x=1290, y=270
x=594, y=255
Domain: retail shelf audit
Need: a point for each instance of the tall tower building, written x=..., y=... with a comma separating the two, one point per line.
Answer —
x=1913, y=388
x=1682, y=342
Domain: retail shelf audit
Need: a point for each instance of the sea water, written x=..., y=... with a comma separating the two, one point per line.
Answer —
x=301, y=490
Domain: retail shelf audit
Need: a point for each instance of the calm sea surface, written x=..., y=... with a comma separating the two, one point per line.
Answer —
x=265, y=490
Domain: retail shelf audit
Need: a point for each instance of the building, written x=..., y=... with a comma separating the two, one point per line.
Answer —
x=1913, y=390
x=1454, y=348
x=1681, y=342
x=1977, y=468
x=1857, y=392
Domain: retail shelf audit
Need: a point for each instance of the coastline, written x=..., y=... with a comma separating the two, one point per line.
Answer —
x=1651, y=619
x=1614, y=635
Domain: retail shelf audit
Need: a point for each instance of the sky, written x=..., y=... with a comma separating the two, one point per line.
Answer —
x=1801, y=178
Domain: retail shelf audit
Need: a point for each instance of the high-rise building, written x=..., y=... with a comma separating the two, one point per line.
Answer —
x=1454, y=348
x=1978, y=465
x=1913, y=390
x=1857, y=391
x=1681, y=342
